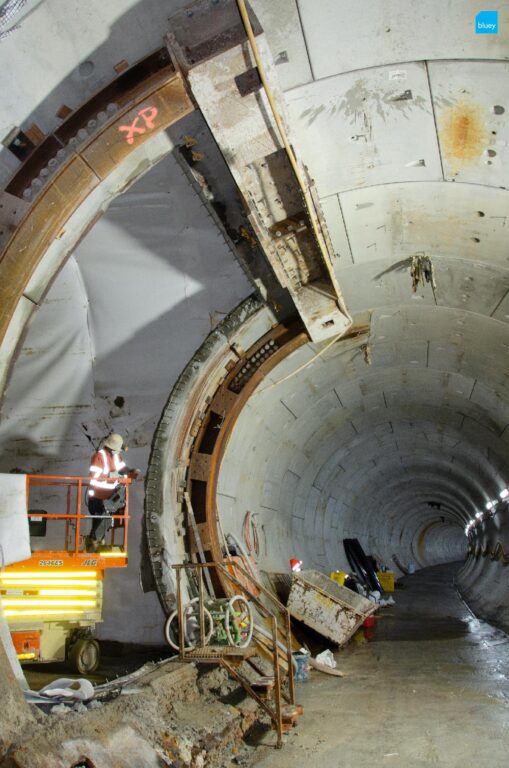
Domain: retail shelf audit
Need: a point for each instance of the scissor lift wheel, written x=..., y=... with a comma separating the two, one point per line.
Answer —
x=85, y=655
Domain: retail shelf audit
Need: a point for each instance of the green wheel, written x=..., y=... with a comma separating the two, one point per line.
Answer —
x=238, y=622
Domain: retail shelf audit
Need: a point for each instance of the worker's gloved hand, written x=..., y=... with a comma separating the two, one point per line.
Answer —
x=134, y=474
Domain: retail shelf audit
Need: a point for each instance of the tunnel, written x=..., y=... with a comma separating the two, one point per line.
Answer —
x=266, y=244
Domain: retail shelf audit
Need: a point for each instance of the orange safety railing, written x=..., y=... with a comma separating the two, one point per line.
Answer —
x=75, y=488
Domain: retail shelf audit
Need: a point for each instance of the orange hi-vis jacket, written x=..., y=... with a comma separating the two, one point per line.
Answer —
x=104, y=468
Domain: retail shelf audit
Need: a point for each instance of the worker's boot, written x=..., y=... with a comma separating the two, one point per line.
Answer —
x=90, y=544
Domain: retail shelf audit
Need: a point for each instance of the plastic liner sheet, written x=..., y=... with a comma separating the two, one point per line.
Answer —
x=14, y=535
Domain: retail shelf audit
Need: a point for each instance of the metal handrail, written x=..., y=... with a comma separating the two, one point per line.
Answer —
x=288, y=631
x=79, y=483
x=199, y=568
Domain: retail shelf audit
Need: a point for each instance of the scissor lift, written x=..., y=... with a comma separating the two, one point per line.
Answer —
x=53, y=600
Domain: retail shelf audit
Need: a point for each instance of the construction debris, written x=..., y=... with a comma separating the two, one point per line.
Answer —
x=302, y=660
x=314, y=664
x=422, y=271
x=326, y=659
x=362, y=565
x=325, y=606
x=62, y=690
x=153, y=717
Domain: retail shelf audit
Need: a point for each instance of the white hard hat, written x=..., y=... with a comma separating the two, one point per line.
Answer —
x=114, y=442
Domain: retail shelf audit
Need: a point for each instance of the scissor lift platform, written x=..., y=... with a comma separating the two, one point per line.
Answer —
x=53, y=599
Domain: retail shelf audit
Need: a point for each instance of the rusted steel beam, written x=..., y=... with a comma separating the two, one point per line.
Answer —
x=154, y=111
x=40, y=226
x=12, y=210
x=208, y=43
x=156, y=104
x=181, y=428
x=195, y=428
x=221, y=417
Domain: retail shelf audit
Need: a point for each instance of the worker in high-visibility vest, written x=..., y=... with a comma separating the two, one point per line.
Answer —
x=106, y=466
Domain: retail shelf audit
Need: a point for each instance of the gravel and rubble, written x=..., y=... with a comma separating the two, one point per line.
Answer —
x=216, y=682
x=164, y=716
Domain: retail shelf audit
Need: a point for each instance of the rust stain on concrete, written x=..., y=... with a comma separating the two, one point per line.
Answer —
x=463, y=134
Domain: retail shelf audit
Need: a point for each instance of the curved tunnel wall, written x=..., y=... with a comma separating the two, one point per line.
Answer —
x=102, y=352
x=438, y=542
x=320, y=457
x=484, y=580
x=344, y=444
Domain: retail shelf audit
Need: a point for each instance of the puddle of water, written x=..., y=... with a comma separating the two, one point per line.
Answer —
x=412, y=628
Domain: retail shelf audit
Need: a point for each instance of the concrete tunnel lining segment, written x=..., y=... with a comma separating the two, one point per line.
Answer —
x=464, y=393
x=450, y=483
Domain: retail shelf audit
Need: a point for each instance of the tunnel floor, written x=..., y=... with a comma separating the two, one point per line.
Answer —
x=431, y=689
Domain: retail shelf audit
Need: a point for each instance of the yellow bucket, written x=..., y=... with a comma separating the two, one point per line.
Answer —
x=338, y=576
x=386, y=579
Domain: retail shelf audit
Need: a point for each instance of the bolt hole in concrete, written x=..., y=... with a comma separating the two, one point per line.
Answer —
x=498, y=110
x=86, y=68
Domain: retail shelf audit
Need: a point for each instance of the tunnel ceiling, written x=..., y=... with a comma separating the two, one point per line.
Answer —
x=401, y=119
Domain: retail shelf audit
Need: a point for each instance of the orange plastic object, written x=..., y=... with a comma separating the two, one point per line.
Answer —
x=27, y=644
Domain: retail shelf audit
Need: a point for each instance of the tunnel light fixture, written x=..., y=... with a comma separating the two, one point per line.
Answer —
x=473, y=523
x=491, y=506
